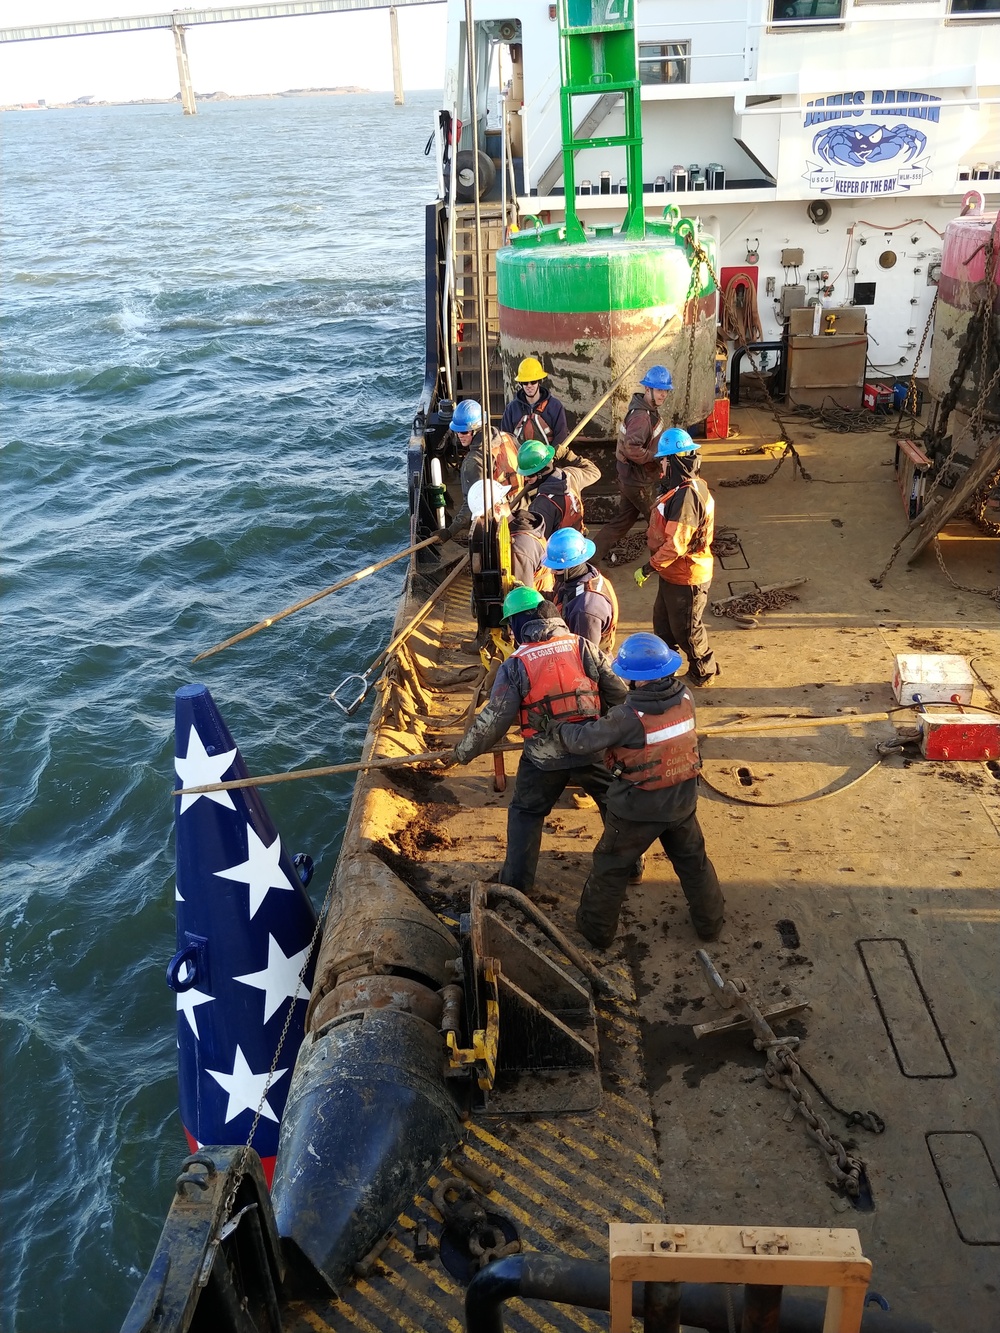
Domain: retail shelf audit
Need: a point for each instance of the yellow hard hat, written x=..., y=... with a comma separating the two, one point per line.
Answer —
x=530, y=371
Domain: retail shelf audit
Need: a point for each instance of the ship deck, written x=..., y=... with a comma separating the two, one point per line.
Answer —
x=866, y=889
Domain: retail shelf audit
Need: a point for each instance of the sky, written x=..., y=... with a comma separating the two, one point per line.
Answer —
x=267, y=55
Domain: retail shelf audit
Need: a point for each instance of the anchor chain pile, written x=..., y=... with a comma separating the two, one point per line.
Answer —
x=753, y=603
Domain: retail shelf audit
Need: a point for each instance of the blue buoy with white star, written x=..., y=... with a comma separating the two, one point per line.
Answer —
x=244, y=926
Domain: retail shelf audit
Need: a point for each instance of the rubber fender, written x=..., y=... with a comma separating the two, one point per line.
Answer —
x=465, y=189
x=368, y=1117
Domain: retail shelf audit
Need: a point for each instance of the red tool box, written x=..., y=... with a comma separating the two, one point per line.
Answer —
x=877, y=397
x=969, y=736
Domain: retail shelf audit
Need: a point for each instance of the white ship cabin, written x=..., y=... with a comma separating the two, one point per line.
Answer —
x=824, y=143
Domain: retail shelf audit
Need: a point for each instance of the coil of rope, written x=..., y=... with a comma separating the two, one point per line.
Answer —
x=741, y=318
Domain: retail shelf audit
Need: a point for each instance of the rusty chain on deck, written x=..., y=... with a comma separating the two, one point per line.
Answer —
x=753, y=603
x=782, y=1070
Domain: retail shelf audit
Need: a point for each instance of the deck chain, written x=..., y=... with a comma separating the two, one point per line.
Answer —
x=993, y=593
x=753, y=603
x=783, y=1071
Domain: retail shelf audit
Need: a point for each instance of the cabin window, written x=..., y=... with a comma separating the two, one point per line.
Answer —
x=794, y=11
x=664, y=62
x=974, y=7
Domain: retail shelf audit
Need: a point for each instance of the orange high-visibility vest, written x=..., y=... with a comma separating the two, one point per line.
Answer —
x=558, y=686
x=670, y=754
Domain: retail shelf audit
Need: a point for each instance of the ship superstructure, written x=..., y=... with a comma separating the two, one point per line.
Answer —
x=823, y=144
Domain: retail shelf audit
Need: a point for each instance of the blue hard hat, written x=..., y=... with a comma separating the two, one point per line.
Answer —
x=645, y=657
x=468, y=415
x=567, y=548
x=657, y=377
x=675, y=441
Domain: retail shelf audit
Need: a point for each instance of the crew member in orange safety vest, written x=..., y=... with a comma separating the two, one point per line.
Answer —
x=553, y=676
x=651, y=750
x=681, y=528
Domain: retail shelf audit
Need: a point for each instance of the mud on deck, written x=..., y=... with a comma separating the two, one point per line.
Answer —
x=868, y=889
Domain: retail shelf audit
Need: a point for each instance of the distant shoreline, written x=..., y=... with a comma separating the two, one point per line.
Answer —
x=83, y=103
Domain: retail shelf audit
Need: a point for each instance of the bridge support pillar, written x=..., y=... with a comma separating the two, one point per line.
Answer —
x=397, y=70
x=184, y=71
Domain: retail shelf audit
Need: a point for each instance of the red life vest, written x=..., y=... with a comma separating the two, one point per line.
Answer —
x=567, y=591
x=670, y=754
x=533, y=425
x=558, y=686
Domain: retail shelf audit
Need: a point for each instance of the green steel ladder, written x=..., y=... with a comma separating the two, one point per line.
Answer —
x=597, y=55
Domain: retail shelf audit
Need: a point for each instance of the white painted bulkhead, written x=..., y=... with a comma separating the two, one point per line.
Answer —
x=746, y=105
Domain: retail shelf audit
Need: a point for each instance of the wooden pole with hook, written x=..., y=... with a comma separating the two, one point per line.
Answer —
x=316, y=596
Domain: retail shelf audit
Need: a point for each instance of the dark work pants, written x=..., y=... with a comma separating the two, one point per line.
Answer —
x=536, y=791
x=622, y=843
x=677, y=620
x=635, y=502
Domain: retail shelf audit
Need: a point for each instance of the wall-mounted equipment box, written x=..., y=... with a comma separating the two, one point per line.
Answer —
x=791, y=258
x=793, y=297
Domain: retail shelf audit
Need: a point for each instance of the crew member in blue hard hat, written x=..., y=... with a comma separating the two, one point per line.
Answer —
x=552, y=676
x=651, y=750
x=635, y=457
x=681, y=528
x=551, y=492
x=467, y=429
x=583, y=596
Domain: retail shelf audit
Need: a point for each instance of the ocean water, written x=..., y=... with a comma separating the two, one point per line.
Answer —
x=213, y=333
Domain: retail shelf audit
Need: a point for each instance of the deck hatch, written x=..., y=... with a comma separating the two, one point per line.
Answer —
x=912, y=1029
x=970, y=1184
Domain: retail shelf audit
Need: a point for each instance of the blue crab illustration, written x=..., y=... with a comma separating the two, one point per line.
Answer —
x=857, y=145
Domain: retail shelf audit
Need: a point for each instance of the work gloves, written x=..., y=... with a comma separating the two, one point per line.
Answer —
x=642, y=575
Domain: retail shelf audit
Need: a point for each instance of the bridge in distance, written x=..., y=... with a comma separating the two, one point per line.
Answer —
x=177, y=20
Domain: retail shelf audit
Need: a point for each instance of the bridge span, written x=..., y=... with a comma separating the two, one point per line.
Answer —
x=177, y=20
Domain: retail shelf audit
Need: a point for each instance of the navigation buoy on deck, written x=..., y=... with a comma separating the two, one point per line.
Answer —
x=586, y=309
x=961, y=287
x=244, y=924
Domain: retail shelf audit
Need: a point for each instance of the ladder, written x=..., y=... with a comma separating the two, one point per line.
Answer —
x=466, y=333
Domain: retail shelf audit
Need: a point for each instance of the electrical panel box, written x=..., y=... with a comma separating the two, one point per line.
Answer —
x=791, y=258
x=792, y=298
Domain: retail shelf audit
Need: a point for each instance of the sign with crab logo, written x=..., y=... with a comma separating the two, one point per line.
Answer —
x=868, y=143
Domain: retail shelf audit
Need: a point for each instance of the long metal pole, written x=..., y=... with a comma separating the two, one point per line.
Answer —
x=489, y=519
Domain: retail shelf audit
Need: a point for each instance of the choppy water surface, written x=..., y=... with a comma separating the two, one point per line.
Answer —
x=213, y=347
